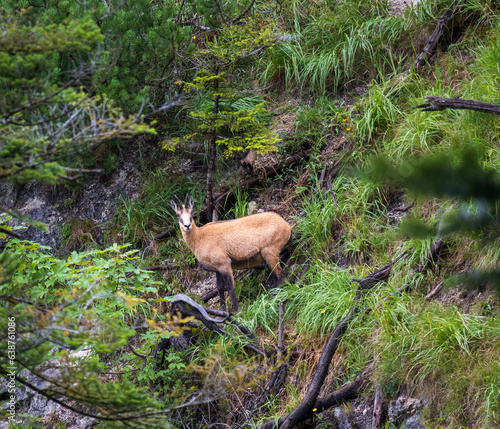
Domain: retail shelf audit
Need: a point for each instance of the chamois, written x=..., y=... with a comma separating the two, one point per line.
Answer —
x=234, y=244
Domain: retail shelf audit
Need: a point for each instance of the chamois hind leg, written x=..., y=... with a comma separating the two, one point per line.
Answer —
x=273, y=262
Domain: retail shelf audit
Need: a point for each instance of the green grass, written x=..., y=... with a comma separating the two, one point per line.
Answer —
x=380, y=113
x=320, y=301
x=263, y=313
x=315, y=225
x=151, y=213
x=240, y=208
x=439, y=351
x=332, y=44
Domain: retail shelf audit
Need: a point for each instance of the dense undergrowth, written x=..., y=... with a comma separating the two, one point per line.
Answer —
x=445, y=349
x=427, y=349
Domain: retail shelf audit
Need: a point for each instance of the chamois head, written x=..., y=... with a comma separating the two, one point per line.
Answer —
x=184, y=212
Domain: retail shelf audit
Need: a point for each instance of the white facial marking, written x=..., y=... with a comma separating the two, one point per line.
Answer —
x=185, y=219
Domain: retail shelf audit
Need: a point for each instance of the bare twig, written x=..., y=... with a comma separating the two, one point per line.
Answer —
x=434, y=291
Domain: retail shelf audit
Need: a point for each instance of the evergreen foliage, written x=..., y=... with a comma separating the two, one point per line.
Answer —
x=47, y=116
x=84, y=303
x=238, y=121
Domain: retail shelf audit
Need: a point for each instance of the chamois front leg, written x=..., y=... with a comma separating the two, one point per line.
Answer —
x=226, y=281
x=232, y=291
x=220, y=289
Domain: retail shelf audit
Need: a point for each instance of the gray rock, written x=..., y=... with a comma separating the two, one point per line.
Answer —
x=94, y=199
x=36, y=405
x=414, y=422
x=342, y=420
x=407, y=410
x=361, y=415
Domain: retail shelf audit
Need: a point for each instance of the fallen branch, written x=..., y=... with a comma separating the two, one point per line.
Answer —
x=442, y=26
x=434, y=291
x=304, y=410
x=377, y=409
x=436, y=103
x=341, y=395
x=209, y=294
x=168, y=233
x=188, y=307
x=249, y=161
x=404, y=208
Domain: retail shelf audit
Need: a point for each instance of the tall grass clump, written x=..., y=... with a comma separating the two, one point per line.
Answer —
x=241, y=205
x=314, y=227
x=342, y=41
x=440, y=352
x=262, y=313
x=319, y=303
x=381, y=112
x=417, y=133
x=361, y=217
x=150, y=213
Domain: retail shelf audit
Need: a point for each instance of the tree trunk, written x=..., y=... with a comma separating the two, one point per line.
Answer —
x=249, y=161
x=213, y=154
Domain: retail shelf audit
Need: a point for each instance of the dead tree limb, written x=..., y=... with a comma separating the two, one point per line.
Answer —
x=443, y=24
x=339, y=396
x=304, y=409
x=188, y=307
x=242, y=14
x=436, y=103
x=307, y=404
x=435, y=250
x=434, y=291
x=345, y=392
x=249, y=161
x=377, y=409
x=310, y=402
x=168, y=233
x=209, y=294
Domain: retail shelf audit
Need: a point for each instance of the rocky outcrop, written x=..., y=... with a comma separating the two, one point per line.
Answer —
x=30, y=404
x=91, y=198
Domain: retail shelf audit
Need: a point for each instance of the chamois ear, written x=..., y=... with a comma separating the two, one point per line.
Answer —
x=191, y=202
x=174, y=206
